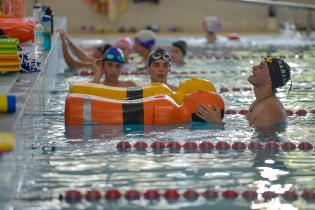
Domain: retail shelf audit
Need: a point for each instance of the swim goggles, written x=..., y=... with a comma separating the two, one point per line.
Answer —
x=164, y=56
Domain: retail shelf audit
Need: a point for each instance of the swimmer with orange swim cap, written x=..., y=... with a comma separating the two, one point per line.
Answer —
x=111, y=65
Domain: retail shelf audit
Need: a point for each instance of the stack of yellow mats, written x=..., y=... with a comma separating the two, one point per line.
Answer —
x=9, y=57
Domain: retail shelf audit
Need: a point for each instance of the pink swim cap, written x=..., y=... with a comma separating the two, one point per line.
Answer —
x=124, y=41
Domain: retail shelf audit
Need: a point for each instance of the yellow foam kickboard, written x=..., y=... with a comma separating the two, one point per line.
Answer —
x=8, y=52
x=3, y=104
x=10, y=68
x=10, y=62
x=9, y=56
x=7, y=141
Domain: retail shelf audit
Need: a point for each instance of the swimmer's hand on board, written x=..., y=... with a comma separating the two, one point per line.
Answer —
x=210, y=114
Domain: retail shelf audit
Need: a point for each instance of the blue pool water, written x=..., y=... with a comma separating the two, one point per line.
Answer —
x=83, y=158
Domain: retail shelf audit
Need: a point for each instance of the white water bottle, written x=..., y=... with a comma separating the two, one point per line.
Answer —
x=38, y=32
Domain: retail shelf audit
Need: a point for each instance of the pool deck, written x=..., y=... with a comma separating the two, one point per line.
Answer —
x=22, y=85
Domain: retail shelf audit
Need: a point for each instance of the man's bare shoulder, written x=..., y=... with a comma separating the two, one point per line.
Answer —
x=270, y=114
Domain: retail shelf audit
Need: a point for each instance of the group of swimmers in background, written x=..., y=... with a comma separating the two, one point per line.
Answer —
x=110, y=60
x=107, y=60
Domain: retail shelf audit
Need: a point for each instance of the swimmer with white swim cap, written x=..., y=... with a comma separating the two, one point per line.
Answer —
x=211, y=25
x=144, y=43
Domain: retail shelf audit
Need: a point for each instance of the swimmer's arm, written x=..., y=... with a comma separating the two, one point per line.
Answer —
x=72, y=62
x=81, y=54
x=209, y=114
x=98, y=73
x=130, y=84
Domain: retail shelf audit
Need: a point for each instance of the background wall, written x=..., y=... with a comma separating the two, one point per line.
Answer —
x=186, y=14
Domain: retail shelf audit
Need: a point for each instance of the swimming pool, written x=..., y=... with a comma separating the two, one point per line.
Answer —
x=60, y=159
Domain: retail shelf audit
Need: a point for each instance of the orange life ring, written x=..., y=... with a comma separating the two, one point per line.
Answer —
x=83, y=109
x=17, y=28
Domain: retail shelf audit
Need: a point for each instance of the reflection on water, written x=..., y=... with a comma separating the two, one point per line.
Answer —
x=86, y=157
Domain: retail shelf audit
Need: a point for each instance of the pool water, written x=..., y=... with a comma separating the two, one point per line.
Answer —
x=85, y=158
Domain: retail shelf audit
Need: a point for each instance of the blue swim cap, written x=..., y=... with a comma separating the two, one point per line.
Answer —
x=115, y=55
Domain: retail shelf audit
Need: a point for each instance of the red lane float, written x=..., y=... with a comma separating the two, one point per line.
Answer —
x=305, y=146
x=171, y=194
x=191, y=195
x=190, y=146
x=210, y=194
x=75, y=196
x=288, y=146
x=140, y=145
x=249, y=195
x=236, y=57
x=90, y=72
x=268, y=195
x=308, y=195
x=206, y=146
x=112, y=194
x=174, y=146
x=158, y=146
x=222, y=145
x=239, y=145
x=152, y=195
x=300, y=112
x=132, y=195
x=271, y=145
x=123, y=146
x=93, y=195
x=230, y=194
x=290, y=196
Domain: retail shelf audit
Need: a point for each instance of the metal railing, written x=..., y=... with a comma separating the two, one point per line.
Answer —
x=295, y=5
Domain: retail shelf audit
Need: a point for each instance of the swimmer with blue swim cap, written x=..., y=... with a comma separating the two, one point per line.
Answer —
x=114, y=54
x=111, y=65
x=144, y=43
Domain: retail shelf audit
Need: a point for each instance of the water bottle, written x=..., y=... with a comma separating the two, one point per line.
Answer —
x=38, y=32
x=50, y=13
x=47, y=32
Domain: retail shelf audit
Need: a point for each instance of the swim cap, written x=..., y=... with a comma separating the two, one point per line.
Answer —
x=212, y=24
x=279, y=71
x=146, y=38
x=126, y=41
x=115, y=55
x=181, y=45
x=159, y=54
